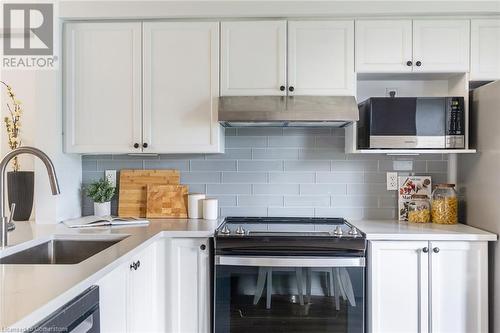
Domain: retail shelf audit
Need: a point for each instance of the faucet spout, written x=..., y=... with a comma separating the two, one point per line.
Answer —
x=54, y=184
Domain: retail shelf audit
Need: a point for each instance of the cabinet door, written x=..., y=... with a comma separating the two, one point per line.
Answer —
x=181, y=87
x=142, y=292
x=113, y=300
x=102, y=87
x=397, y=287
x=253, y=58
x=321, y=57
x=383, y=46
x=459, y=287
x=441, y=45
x=485, y=50
x=188, y=285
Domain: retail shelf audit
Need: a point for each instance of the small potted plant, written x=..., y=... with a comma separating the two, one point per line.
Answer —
x=101, y=192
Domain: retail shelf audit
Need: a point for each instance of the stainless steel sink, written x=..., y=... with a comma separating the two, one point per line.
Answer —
x=60, y=251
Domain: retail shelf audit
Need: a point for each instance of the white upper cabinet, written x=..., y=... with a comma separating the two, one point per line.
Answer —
x=401, y=46
x=102, y=87
x=459, y=287
x=384, y=46
x=485, y=49
x=253, y=58
x=321, y=57
x=132, y=87
x=441, y=45
x=181, y=87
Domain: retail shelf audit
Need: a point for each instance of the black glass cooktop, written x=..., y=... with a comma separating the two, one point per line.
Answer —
x=288, y=235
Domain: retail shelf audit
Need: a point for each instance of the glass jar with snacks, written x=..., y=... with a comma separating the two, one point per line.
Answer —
x=419, y=209
x=444, y=204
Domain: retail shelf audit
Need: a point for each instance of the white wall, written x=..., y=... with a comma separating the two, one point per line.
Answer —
x=40, y=92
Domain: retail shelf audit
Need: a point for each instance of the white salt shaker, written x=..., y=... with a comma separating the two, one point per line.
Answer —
x=195, y=205
x=210, y=209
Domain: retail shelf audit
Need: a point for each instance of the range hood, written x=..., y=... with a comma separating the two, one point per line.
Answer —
x=291, y=111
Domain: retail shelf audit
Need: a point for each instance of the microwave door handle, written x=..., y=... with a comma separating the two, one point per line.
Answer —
x=290, y=261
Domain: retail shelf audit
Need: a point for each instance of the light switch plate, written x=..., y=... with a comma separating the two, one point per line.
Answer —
x=392, y=181
x=111, y=177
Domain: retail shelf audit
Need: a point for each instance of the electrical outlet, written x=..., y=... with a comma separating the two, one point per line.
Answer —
x=390, y=91
x=392, y=181
x=111, y=177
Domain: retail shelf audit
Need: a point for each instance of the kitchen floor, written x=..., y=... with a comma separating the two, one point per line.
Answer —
x=286, y=315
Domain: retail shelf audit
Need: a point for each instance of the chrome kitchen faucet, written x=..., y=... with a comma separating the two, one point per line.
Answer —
x=54, y=184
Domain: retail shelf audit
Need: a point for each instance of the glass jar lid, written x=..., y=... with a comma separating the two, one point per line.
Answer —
x=445, y=185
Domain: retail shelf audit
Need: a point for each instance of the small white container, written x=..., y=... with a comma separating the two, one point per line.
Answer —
x=195, y=205
x=210, y=209
x=102, y=209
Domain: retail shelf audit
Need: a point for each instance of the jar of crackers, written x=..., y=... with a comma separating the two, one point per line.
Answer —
x=444, y=204
x=419, y=209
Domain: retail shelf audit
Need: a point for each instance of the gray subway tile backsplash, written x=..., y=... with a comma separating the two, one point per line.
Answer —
x=282, y=172
x=244, y=177
x=260, y=166
x=292, y=177
x=213, y=165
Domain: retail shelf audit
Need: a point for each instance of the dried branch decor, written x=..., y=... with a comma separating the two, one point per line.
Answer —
x=13, y=123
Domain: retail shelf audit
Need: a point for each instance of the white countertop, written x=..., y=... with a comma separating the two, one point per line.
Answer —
x=28, y=293
x=395, y=230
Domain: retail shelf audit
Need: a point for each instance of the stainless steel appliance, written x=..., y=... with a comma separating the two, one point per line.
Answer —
x=291, y=111
x=80, y=315
x=479, y=181
x=412, y=122
x=276, y=274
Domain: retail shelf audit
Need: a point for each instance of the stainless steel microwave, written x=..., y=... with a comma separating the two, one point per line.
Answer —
x=412, y=122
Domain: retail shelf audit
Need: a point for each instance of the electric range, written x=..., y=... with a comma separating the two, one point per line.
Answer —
x=289, y=274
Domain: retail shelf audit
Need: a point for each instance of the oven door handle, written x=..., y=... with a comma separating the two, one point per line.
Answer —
x=290, y=261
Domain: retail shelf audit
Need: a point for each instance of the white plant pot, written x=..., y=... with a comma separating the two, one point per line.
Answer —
x=102, y=209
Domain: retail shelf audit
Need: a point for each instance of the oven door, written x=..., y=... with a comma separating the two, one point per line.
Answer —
x=289, y=294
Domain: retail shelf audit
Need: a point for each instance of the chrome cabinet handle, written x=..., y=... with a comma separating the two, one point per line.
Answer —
x=435, y=250
x=425, y=250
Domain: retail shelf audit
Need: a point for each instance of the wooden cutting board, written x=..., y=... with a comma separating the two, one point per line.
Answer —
x=167, y=201
x=132, y=200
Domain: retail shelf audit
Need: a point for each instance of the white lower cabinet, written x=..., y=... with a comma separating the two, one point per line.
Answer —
x=113, y=300
x=143, y=297
x=459, y=287
x=427, y=286
x=130, y=296
x=188, y=285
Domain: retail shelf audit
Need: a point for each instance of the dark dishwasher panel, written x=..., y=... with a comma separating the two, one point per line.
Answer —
x=80, y=315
